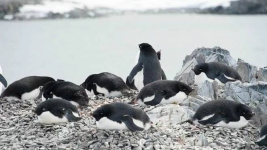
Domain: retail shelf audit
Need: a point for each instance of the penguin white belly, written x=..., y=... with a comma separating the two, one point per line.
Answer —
x=139, y=80
x=178, y=98
x=102, y=90
x=105, y=123
x=48, y=118
x=90, y=93
x=238, y=124
x=149, y=98
x=201, y=78
x=31, y=95
x=114, y=94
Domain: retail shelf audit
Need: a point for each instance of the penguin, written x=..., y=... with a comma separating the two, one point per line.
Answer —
x=215, y=71
x=223, y=113
x=262, y=141
x=3, y=82
x=163, y=92
x=28, y=88
x=147, y=69
x=106, y=84
x=120, y=116
x=65, y=90
x=57, y=111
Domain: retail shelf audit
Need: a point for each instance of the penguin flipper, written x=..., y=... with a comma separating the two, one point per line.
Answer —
x=262, y=141
x=130, y=124
x=138, y=67
x=158, y=97
x=71, y=118
x=216, y=118
x=163, y=75
x=223, y=78
x=3, y=80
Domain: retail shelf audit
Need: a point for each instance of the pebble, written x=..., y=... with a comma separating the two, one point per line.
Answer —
x=19, y=130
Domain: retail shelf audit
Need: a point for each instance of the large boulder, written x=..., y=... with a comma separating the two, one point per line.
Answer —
x=201, y=55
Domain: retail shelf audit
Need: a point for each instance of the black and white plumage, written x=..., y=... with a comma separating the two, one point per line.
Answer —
x=106, y=84
x=215, y=71
x=27, y=88
x=163, y=92
x=262, y=141
x=3, y=82
x=66, y=90
x=57, y=111
x=147, y=68
x=120, y=116
x=223, y=113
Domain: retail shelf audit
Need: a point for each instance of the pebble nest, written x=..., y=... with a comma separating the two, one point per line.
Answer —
x=19, y=129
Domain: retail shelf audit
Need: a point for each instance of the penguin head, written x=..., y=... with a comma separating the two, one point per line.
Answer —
x=103, y=111
x=245, y=111
x=184, y=88
x=50, y=106
x=199, y=68
x=145, y=47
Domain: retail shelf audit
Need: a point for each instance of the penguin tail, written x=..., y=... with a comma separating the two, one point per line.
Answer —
x=187, y=121
x=71, y=117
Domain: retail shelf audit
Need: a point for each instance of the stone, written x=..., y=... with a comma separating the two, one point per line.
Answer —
x=262, y=75
x=247, y=72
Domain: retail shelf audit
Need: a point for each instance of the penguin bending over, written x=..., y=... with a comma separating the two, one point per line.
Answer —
x=28, y=88
x=163, y=92
x=262, y=141
x=57, y=111
x=66, y=90
x=223, y=113
x=106, y=84
x=147, y=69
x=3, y=82
x=215, y=71
x=120, y=116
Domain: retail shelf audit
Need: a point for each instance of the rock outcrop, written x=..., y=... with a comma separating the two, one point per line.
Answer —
x=251, y=91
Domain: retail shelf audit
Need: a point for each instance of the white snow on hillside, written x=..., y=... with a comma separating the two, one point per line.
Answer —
x=62, y=6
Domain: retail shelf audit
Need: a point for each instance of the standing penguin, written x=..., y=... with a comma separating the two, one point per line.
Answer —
x=57, y=111
x=163, y=92
x=147, y=69
x=104, y=83
x=215, y=71
x=223, y=113
x=27, y=88
x=120, y=116
x=262, y=141
x=66, y=90
x=3, y=82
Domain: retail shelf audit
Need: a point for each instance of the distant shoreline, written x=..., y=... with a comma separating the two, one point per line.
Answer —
x=38, y=10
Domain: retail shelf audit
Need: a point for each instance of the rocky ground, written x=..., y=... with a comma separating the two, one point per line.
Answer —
x=20, y=130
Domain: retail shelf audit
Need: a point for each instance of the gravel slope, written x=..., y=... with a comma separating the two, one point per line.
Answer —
x=20, y=130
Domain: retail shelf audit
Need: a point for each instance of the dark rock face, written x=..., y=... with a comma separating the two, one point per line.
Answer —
x=240, y=7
